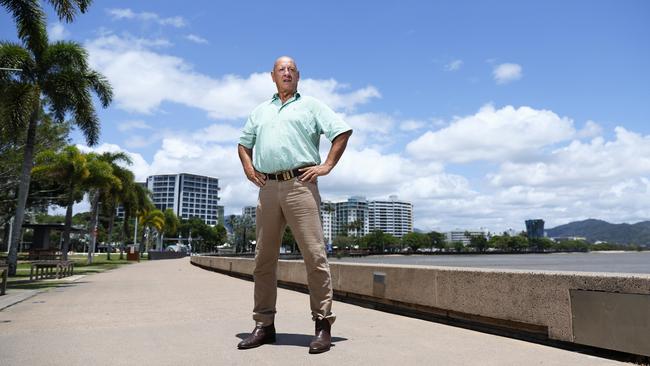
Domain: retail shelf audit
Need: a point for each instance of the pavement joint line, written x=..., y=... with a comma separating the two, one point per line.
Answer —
x=11, y=299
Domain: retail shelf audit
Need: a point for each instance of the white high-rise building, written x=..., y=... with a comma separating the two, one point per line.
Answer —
x=351, y=217
x=391, y=217
x=188, y=195
x=327, y=215
x=464, y=236
x=250, y=211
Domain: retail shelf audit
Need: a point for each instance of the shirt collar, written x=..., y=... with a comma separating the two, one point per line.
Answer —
x=277, y=96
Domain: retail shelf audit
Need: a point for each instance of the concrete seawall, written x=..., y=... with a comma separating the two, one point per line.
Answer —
x=604, y=310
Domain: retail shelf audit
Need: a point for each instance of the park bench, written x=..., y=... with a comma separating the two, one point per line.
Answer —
x=50, y=269
x=4, y=272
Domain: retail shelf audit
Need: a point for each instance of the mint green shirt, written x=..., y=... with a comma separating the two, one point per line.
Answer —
x=286, y=136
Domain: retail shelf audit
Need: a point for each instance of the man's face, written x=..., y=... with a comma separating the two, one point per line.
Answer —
x=285, y=75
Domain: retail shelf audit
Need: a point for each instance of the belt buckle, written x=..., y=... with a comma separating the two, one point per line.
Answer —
x=286, y=175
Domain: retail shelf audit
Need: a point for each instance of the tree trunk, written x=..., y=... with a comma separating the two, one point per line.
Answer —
x=67, y=227
x=125, y=233
x=111, y=221
x=23, y=189
x=94, y=204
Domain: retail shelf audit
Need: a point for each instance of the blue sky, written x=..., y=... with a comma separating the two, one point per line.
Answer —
x=481, y=114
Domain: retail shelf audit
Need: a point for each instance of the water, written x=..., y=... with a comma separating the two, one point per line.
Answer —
x=618, y=262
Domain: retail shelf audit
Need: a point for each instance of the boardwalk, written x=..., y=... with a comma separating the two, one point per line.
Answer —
x=172, y=313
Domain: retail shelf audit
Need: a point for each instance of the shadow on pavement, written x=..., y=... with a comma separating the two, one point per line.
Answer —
x=292, y=339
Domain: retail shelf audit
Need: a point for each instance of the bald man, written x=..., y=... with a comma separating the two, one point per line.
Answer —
x=279, y=153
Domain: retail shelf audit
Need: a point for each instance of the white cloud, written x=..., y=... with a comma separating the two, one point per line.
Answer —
x=591, y=129
x=57, y=32
x=598, y=163
x=493, y=135
x=454, y=65
x=177, y=21
x=142, y=79
x=411, y=125
x=505, y=73
x=196, y=39
x=133, y=125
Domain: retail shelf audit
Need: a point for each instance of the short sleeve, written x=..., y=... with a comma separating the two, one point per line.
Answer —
x=249, y=133
x=329, y=123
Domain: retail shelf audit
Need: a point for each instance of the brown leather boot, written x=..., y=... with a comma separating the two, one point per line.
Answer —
x=259, y=336
x=323, y=339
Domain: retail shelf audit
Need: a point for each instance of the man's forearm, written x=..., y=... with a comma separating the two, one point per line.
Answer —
x=246, y=156
x=336, y=151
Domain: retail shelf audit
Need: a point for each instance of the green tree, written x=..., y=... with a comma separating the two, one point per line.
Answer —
x=289, y=240
x=153, y=224
x=171, y=224
x=378, y=241
x=113, y=196
x=438, y=240
x=458, y=246
x=70, y=169
x=517, y=243
x=416, y=241
x=135, y=199
x=478, y=242
x=101, y=179
x=243, y=229
x=56, y=75
x=342, y=242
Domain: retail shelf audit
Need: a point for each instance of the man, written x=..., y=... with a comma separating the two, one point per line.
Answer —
x=279, y=153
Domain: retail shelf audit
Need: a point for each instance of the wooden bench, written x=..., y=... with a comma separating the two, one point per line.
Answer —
x=50, y=269
x=4, y=272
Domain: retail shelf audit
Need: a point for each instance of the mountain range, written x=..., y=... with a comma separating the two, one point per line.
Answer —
x=599, y=230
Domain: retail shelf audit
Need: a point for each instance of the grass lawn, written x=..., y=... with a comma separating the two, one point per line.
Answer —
x=100, y=264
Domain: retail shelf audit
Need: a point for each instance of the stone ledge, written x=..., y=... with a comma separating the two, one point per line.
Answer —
x=536, y=303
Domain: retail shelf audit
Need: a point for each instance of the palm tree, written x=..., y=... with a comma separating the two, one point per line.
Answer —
x=102, y=179
x=111, y=198
x=70, y=168
x=171, y=224
x=152, y=223
x=135, y=199
x=55, y=75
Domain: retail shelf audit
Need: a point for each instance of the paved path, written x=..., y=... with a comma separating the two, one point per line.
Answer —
x=172, y=313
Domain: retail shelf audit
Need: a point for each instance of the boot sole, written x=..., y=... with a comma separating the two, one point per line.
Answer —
x=317, y=351
x=269, y=341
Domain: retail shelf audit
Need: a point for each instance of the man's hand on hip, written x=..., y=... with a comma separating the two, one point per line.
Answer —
x=310, y=174
x=256, y=177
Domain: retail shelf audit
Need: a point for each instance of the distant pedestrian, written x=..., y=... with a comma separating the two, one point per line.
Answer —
x=279, y=151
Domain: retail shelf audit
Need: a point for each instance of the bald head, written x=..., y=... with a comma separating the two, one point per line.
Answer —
x=284, y=60
x=285, y=75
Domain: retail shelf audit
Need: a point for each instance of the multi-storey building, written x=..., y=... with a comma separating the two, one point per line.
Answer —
x=327, y=215
x=351, y=217
x=535, y=228
x=250, y=211
x=392, y=217
x=464, y=236
x=188, y=195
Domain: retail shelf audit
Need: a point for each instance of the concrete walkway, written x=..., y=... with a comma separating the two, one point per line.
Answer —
x=172, y=313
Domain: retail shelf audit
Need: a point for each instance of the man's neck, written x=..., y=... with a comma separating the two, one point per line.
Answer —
x=284, y=96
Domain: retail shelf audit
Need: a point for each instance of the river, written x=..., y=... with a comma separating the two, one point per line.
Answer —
x=618, y=262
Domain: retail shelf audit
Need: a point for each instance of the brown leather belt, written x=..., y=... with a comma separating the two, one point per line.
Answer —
x=284, y=176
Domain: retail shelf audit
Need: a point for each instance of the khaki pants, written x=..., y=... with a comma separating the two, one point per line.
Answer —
x=296, y=204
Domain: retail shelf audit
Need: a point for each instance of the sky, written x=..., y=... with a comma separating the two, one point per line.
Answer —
x=482, y=114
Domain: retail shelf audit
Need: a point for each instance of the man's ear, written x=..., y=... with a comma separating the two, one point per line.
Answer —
x=272, y=76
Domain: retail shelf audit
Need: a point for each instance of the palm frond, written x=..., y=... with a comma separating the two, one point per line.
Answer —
x=67, y=10
x=30, y=21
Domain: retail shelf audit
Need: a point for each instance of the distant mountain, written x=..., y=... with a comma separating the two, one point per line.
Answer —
x=594, y=230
